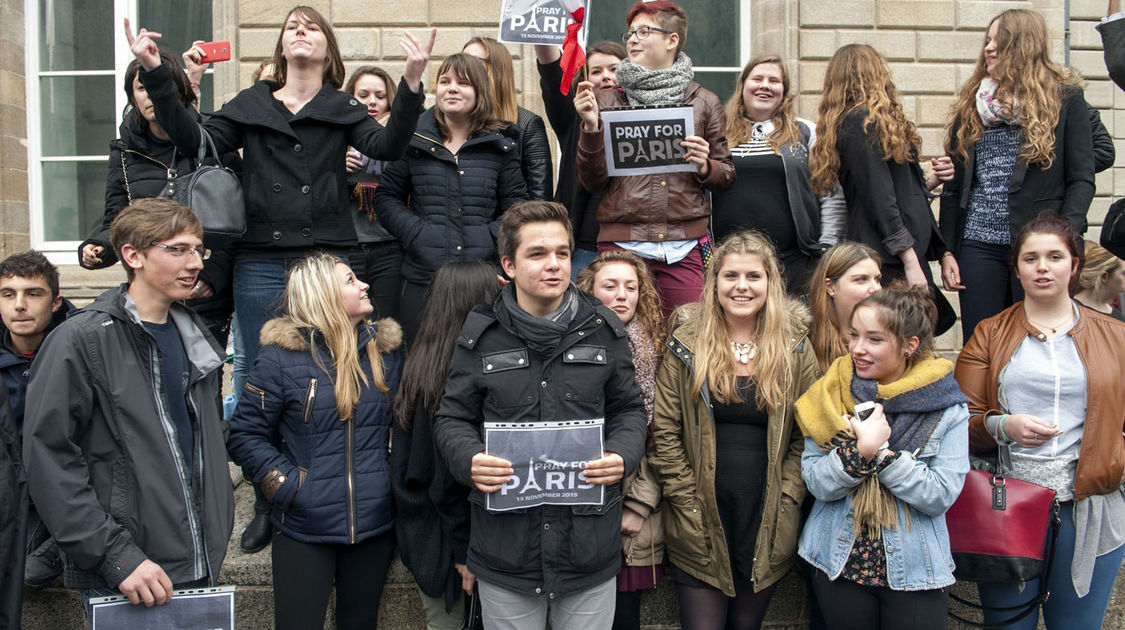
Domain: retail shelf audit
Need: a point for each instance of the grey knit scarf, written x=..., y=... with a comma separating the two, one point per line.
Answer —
x=655, y=87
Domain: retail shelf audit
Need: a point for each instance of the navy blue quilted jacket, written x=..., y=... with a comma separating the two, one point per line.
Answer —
x=335, y=484
x=444, y=207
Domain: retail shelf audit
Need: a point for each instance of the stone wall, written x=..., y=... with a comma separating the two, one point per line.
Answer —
x=14, y=213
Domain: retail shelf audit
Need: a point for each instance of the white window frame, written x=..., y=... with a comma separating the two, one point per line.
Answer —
x=65, y=252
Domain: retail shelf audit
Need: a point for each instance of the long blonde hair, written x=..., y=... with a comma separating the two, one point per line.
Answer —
x=714, y=363
x=312, y=302
x=502, y=73
x=858, y=78
x=785, y=129
x=824, y=332
x=1027, y=76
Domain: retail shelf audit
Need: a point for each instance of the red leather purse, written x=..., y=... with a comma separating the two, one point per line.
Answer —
x=1003, y=530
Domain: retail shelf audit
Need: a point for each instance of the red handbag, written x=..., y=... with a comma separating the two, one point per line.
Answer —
x=1003, y=530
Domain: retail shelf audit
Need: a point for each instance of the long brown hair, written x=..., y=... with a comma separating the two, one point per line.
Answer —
x=906, y=312
x=824, y=333
x=858, y=78
x=376, y=71
x=502, y=73
x=456, y=288
x=1027, y=76
x=785, y=129
x=333, y=65
x=714, y=363
x=483, y=117
x=649, y=314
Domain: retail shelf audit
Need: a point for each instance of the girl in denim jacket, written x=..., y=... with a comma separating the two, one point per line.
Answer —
x=877, y=536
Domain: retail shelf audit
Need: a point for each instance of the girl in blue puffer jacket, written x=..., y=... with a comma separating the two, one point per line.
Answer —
x=323, y=381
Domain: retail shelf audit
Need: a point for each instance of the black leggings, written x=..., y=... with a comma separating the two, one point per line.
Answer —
x=303, y=575
x=856, y=607
x=708, y=608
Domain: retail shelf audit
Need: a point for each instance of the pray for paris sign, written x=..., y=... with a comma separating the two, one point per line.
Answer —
x=547, y=459
x=647, y=140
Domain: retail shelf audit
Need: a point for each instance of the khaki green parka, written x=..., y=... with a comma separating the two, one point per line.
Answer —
x=683, y=458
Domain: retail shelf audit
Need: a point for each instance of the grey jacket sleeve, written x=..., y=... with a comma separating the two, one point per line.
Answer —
x=60, y=403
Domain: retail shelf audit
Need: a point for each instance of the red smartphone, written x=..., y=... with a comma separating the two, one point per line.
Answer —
x=215, y=51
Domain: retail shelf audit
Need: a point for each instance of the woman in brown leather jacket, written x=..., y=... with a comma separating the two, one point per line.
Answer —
x=662, y=217
x=727, y=450
x=1048, y=378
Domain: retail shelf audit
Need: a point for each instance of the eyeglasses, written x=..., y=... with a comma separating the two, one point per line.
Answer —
x=182, y=250
x=642, y=33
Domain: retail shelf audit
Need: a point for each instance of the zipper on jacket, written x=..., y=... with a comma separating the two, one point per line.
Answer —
x=211, y=577
x=257, y=390
x=310, y=397
x=177, y=457
x=351, y=479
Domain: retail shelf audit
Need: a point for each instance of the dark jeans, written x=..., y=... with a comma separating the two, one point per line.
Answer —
x=303, y=575
x=851, y=606
x=990, y=284
x=380, y=266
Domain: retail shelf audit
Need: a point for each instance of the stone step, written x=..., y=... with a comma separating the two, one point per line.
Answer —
x=57, y=607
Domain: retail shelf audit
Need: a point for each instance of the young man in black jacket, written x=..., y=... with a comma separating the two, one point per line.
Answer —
x=30, y=308
x=123, y=445
x=541, y=352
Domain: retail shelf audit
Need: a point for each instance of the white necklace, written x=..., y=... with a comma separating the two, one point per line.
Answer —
x=743, y=352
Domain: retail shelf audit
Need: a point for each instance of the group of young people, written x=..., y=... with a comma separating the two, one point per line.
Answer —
x=722, y=324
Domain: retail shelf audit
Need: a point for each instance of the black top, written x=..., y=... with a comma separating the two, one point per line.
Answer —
x=174, y=371
x=740, y=473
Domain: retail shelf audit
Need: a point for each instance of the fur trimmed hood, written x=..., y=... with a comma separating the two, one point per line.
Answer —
x=283, y=333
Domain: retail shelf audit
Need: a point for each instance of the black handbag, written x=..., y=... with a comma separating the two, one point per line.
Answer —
x=213, y=193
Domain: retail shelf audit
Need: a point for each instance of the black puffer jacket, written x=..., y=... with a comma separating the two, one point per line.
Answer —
x=455, y=202
x=293, y=176
x=337, y=487
x=100, y=450
x=549, y=551
x=535, y=155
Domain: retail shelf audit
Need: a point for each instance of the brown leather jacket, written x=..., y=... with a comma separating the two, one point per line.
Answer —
x=1100, y=341
x=665, y=207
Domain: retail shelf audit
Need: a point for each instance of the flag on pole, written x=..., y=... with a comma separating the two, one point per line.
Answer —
x=573, y=55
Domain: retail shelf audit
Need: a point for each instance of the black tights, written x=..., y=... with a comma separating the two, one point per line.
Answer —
x=857, y=607
x=704, y=608
x=303, y=575
x=627, y=611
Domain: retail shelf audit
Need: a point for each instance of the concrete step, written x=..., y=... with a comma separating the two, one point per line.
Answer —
x=56, y=607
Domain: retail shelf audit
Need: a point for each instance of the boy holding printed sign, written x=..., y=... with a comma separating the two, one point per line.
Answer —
x=661, y=216
x=542, y=353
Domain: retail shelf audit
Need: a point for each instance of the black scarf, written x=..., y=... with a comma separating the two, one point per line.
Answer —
x=542, y=334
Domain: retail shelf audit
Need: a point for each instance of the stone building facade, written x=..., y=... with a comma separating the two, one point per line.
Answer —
x=931, y=44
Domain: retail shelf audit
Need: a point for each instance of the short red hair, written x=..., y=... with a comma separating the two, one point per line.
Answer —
x=669, y=15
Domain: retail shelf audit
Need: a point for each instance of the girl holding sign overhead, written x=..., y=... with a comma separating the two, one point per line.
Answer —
x=661, y=217
x=726, y=449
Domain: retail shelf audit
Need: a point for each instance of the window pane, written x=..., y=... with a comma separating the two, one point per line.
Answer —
x=73, y=199
x=76, y=34
x=179, y=23
x=76, y=115
x=721, y=83
x=713, y=28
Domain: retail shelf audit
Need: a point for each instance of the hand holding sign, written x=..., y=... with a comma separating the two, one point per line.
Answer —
x=147, y=583
x=489, y=473
x=586, y=104
x=609, y=469
x=696, y=151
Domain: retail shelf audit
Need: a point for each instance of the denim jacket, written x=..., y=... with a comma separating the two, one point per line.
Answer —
x=926, y=484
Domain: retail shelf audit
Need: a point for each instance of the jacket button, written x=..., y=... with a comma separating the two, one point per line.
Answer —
x=581, y=333
x=298, y=148
x=890, y=548
x=277, y=188
x=460, y=172
x=353, y=102
x=663, y=183
x=520, y=361
x=601, y=358
x=277, y=235
x=552, y=596
x=306, y=232
x=305, y=189
x=432, y=149
x=543, y=384
x=458, y=248
x=538, y=590
x=546, y=526
x=570, y=356
x=488, y=367
x=659, y=236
